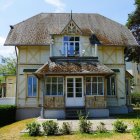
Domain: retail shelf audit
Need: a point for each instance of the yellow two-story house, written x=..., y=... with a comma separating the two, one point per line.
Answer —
x=70, y=62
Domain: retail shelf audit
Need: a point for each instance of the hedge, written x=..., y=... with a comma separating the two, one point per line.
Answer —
x=7, y=114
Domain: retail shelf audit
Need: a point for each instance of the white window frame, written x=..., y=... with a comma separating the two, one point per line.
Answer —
x=97, y=85
x=51, y=85
x=65, y=50
x=31, y=96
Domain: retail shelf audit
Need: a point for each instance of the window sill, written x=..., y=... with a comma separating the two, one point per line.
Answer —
x=31, y=96
x=54, y=95
x=93, y=95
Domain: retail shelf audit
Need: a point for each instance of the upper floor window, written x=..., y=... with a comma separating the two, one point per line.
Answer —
x=32, y=86
x=71, y=45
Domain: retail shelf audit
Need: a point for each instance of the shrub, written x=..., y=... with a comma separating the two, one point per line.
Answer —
x=34, y=129
x=66, y=128
x=7, y=114
x=135, y=98
x=119, y=126
x=84, y=125
x=50, y=127
x=101, y=128
x=136, y=131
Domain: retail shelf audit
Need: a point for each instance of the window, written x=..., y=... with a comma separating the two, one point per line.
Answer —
x=94, y=85
x=71, y=46
x=32, y=86
x=111, y=86
x=54, y=86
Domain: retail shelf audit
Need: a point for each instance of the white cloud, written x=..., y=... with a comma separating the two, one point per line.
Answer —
x=6, y=51
x=4, y=4
x=58, y=4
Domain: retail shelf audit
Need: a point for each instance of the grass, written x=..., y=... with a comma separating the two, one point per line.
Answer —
x=12, y=131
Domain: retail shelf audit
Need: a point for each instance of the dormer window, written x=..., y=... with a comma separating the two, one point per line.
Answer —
x=71, y=46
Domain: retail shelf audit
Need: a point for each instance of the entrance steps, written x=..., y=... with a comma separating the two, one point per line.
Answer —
x=74, y=112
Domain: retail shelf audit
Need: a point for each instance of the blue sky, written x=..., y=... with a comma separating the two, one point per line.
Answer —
x=14, y=11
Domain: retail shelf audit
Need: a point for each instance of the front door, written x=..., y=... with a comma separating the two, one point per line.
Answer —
x=74, y=91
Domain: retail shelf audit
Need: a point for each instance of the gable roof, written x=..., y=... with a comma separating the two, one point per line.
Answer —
x=36, y=30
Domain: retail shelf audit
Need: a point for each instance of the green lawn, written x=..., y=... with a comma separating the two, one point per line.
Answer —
x=12, y=131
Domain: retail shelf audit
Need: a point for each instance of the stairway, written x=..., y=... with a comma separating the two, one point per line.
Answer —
x=73, y=112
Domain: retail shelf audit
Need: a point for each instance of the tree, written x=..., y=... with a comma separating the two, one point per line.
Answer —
x=133, y=54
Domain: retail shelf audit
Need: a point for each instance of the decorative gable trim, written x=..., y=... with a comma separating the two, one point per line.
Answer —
x=71, y=28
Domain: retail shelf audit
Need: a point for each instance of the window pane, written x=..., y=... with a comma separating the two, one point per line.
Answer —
x=94, y=79
x=69, y=89
x=66, y=38
x=54, y=79
x=60, y=79
x=77, y=39
x=71, y=38
x=54, y=89
x=48, y=79
x=29, y=86
x=88, y=79
x=94, y=88
x=78, y=89
x=70, y=80
x=100, y=88
x=69, y=84
x=48, y=89
x=100, y=79
x=76, y=48
x=113, y=85
x=88, y=88
x=108, y=86
x=78, y=84
x=69, y=94
x=60, y=89
x=78, y=80
x=34, y=86
x=78, y=94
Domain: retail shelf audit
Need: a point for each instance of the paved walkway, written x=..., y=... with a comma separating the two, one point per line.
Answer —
x=95, y=122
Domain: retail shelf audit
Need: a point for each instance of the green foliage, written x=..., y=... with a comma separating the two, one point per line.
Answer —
x=136, y=131
x=135, y=98
x=101, y=128
x=66, y=128
x=50, y=127
x=119, y=126
x=84, y=124
x=7, y=114
x=34, y=129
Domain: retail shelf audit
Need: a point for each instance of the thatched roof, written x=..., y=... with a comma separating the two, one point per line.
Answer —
x=36, y=30
x=68, y=68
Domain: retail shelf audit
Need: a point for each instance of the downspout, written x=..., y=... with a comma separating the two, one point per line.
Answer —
x=16, y=76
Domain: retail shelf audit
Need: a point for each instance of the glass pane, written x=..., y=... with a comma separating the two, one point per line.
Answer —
x=48, y=79
x=34, y=86
x=108, y=86
x=113, y=85
x=66, y=38
x=100, y=88
x=29, y=86
x=88, y=79
x=60, y=79
x=54, y=79
x=48, y=89
x=54, y=89
x=71, y=38
x=69, y=84
x=100, y=79
x=94, y=88
x=77, y=39
x=94, y=79
x=78, y=84
x=69, y=89
x=70, y=80
x=88, y=88
x=78, y=94
x=69, y=94
x=76, y=48
x=78, y=89
x=60, y=89
x=78, y=80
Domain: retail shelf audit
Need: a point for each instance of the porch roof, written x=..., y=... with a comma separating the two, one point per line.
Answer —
x=73, y=68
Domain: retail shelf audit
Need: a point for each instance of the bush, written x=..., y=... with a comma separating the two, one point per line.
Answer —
x=50, y=127
x=101, y=128
x=7, y=114
x=119, y=126
x=136, y=131
x=34, y=129
x=135, y=98
x=66, y=128
x=84, y=125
